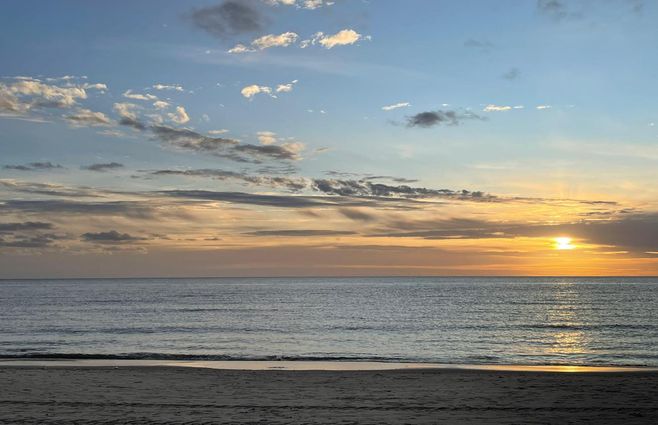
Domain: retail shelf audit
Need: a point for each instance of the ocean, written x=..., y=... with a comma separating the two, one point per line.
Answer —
x=515, y=321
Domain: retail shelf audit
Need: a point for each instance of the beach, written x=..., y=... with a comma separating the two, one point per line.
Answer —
x=43, y=394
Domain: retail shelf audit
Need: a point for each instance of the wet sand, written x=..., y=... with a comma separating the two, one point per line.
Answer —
x=182, y=395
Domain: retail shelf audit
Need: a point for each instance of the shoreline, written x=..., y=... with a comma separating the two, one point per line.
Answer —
x=300, y=365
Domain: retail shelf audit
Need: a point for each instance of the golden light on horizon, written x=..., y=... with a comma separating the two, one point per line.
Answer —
x=563, y=242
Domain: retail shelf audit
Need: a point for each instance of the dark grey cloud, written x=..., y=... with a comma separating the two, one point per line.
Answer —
x=433, y=118
x=188, y=139
x=183, y=138
x=292, y=184
x=268, y=151
x=228, y=19
x=222, y=147
x=360, y=188
x=512, y=74
x=24, y=226
x=131, y=122
x=134, y=209
x=31, y=241
x=300, y=233
x=34, y=166
x=109, y=237
x=103, y=167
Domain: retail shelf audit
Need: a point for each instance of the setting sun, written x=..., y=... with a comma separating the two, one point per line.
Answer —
x=563, y=243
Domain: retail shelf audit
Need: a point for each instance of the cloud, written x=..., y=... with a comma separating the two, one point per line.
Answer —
x=180, y=116
x=496, y=108
x=512, y=74
x=341, y=38
x=554, y=9
x=34, y=166
x=85, y=117
x=137, y=96
x=281, y=201
x=434, y=118
x=356, y=215
x=10, y=102
x=227, y=148
x=254, y=89
x=362, y=188
x=110, y=237
x=228, y=19
x=540, y=107
x=126, y=110
x=133, y=209
x=103, y=167
x=285, y=88
x=48, y=189
x=128, y=114
x=30, y=241
x=189, y=139
x=292, y=184
x=396, y=106
x=634, y=232
x=300, y=233
x=48, y=95
x=24, y=226
x=303, y=4
x=175, y=87
x=267, y=41
x=267, y=137
x=250, y=91
x=25, y=93
x=392, y=178
x=217, y=132
x=285, y=151
x=160, y=104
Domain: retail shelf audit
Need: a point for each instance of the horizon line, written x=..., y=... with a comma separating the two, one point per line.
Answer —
x=333, y=277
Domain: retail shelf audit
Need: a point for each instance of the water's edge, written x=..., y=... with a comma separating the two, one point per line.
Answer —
x=286, y=365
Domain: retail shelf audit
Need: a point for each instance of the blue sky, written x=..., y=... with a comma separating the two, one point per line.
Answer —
x=549, y=100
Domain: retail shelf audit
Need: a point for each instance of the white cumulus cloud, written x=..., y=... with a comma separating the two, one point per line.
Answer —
x=341, y=38
x=254, y=89
x=267, y=41
x=180, y=116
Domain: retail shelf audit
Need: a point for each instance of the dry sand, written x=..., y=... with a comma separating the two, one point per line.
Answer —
x=177, y=395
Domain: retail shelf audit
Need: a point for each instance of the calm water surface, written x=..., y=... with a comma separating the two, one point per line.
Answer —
x=583, y=321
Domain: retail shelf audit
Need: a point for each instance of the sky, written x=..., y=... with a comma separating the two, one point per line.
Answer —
x=328, y=138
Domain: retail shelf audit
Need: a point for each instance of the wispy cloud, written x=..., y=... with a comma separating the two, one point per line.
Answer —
x=34, y=166
x=396, y=106
x=103, y=167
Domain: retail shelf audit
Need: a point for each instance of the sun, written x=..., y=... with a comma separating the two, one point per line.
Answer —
x=563, y=243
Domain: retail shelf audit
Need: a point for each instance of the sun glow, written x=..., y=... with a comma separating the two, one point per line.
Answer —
x=563, y=243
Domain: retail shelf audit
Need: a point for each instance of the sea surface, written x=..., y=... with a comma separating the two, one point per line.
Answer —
x=517, y=321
